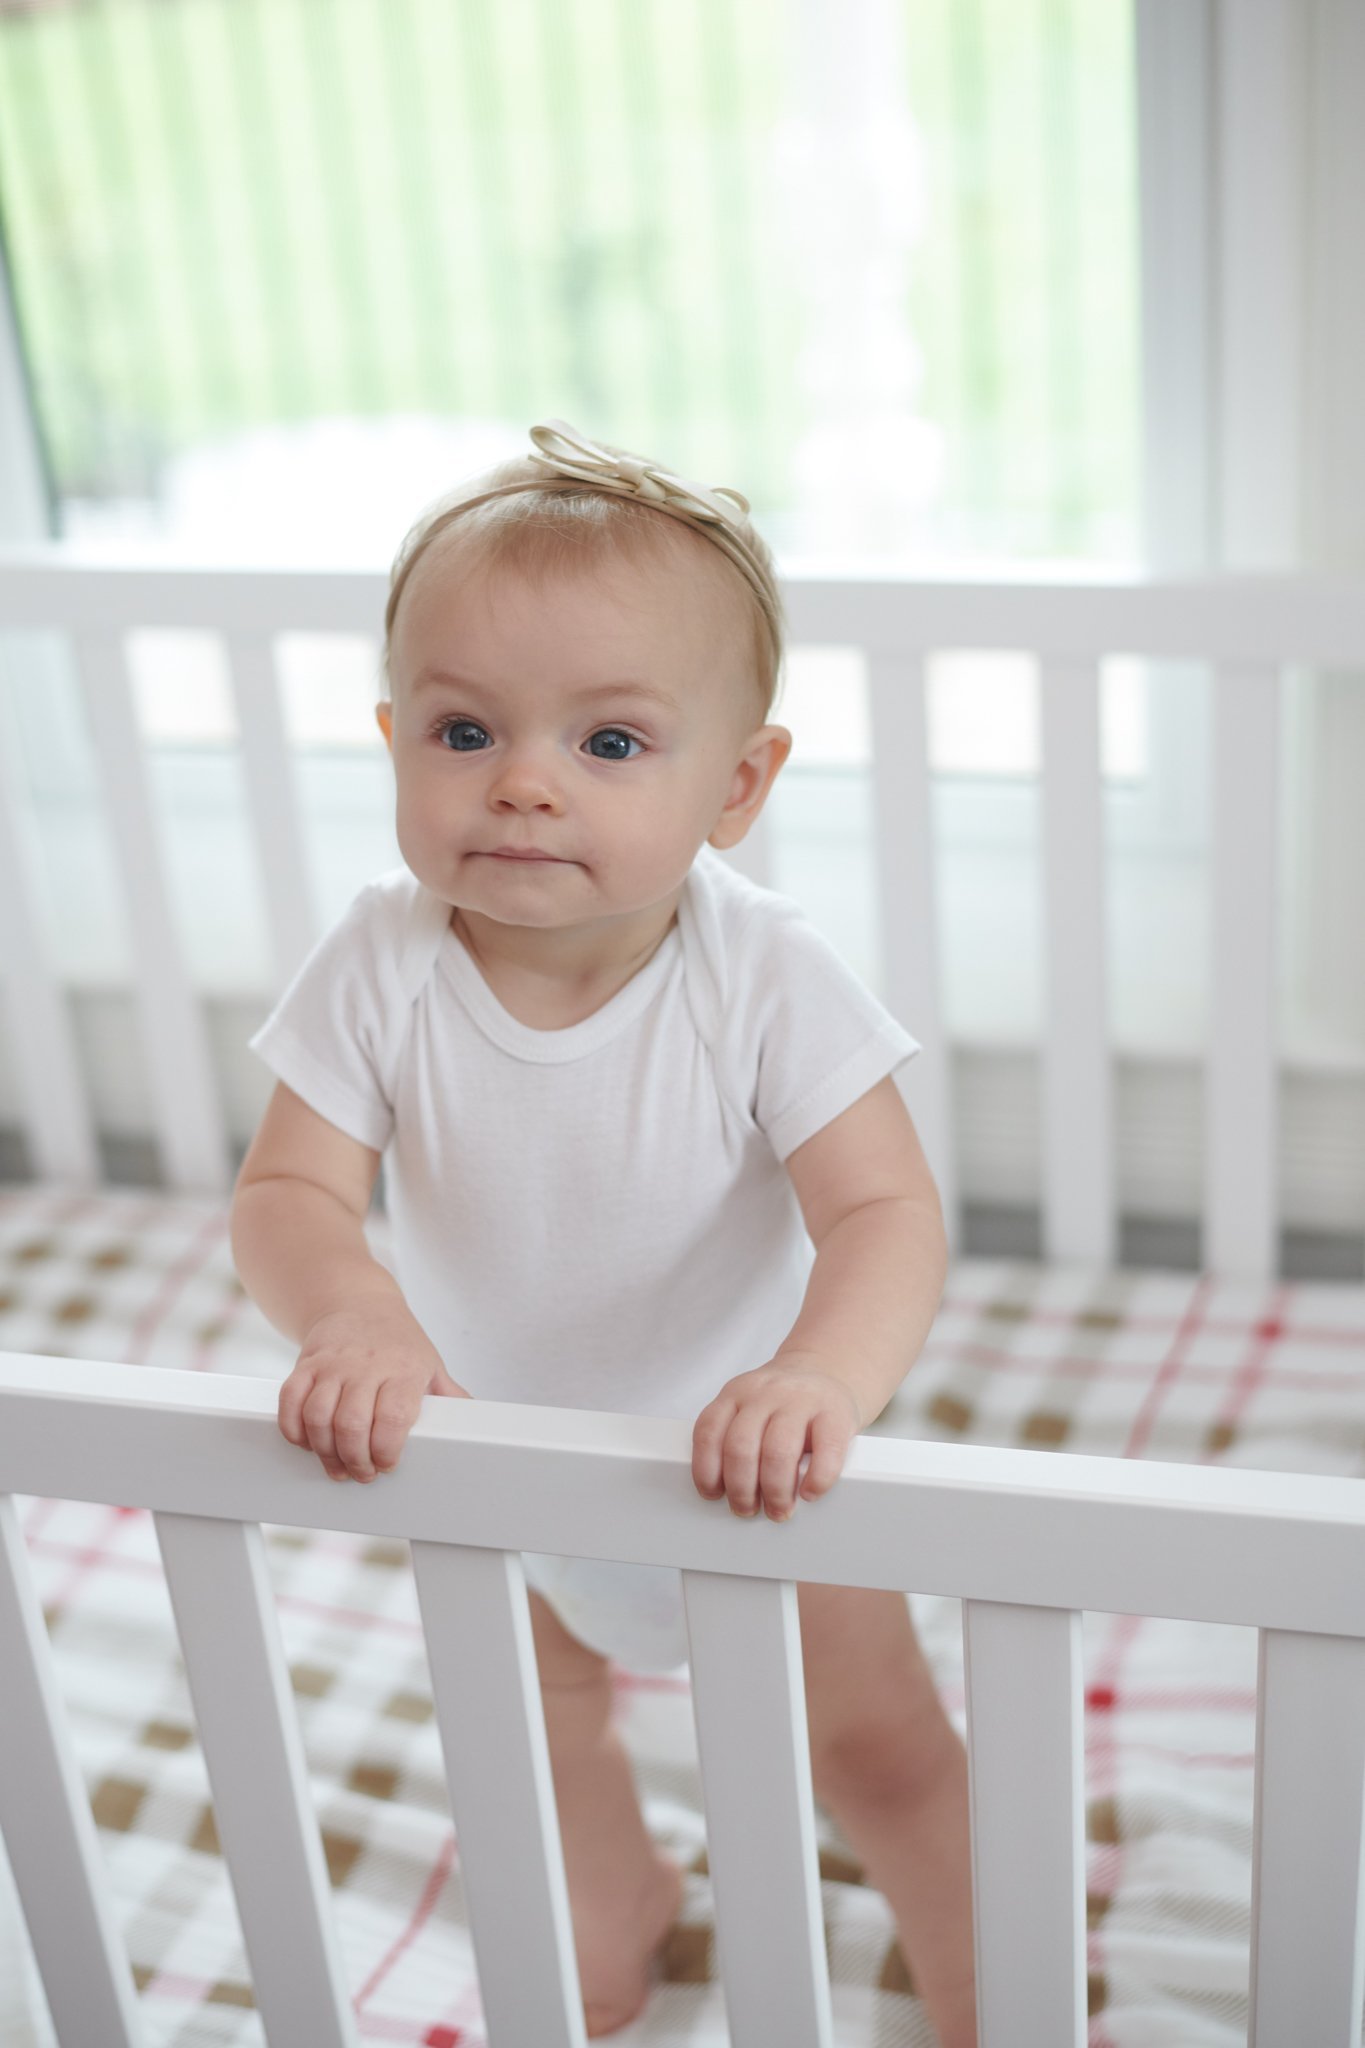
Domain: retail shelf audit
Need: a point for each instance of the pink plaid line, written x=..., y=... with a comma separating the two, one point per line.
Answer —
x=40, y=1513
x=1253, y=1371
x=1122, y=1372
x=96, y=1553
x=1158, y=1699
x=90, y=1556
x=1217, y=1326
x=354, y=1617
x=377, y=2028
x=1217, y=1760
x=463, y=2023
x=194, y=1991
x=185, y=1268
x=1103, y=1772
x=1170, y=1366
x=431, y=1891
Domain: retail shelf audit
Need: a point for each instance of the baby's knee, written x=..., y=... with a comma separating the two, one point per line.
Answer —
x=876, y=1753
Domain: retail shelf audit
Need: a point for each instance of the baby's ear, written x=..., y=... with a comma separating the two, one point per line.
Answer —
x=384, y=715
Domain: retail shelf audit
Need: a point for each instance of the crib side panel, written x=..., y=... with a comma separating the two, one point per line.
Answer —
x=190, y=1128
x=1307, y=1939
x=1079, y=1213
x=1024, y=1745
x=486, y=1687
x=273, y=799
x=907, y=905
x=750, y=1707
x=49, y=1830
x=1240, y=1230
x=54, y=1105
x=225, y=1617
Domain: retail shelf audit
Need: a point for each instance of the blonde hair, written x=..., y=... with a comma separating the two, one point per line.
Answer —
x=521, y=515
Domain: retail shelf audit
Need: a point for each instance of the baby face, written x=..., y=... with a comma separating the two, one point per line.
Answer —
x=562, y=747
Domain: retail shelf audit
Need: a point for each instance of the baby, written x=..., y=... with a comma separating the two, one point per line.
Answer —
x=645, y=1151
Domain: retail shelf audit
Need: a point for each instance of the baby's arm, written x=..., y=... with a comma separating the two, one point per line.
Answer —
x=873, y=1214
x=298, y=1239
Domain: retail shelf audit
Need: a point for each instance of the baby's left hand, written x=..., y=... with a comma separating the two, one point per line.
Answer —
x=747, y=1444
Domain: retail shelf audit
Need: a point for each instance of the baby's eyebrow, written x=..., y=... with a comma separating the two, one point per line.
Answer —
x=628, y=687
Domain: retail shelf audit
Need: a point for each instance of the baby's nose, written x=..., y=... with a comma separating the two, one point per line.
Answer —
x=527, y=781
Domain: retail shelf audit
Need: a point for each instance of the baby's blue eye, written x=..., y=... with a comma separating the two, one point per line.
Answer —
x=617, y=741
x=463, y=728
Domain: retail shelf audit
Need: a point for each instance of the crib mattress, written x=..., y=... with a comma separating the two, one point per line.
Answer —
x=1168, y=1366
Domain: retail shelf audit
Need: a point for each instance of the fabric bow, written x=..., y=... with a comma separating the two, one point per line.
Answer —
x=563, y=449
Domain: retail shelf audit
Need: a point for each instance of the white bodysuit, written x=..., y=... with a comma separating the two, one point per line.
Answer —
x=597, y=1216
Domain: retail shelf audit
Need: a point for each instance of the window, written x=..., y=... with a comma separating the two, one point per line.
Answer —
x=285, y=267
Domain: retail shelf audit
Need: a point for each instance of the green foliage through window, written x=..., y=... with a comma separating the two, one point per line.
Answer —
x=224, y=213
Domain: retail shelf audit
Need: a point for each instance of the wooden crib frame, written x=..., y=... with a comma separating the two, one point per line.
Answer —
x=1028, y=1540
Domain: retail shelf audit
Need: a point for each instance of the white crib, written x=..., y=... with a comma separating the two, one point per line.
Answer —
x=1027, y=1540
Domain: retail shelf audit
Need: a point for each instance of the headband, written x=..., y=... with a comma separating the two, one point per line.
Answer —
x=569, y=460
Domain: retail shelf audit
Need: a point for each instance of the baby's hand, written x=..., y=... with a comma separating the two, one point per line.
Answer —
x=357, y=1385
x=748, y=1443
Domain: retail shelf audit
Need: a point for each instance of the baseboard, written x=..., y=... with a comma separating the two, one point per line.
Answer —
x=994, y=1230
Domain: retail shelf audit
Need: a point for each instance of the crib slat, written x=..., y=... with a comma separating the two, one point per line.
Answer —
x=902, y=809
x=53, y=1104
x=750, y=1705
x=1024, y=1743
x=488, y=1708
x=225, y=1616
x=272, y=789
x=1078, y=1134
x=190, y=1128
x=1307, y=1955
x=1240, y=1205
x=49, y=1830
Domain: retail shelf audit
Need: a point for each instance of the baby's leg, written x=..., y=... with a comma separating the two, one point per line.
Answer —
x=888, y=1764
x=623, y=1892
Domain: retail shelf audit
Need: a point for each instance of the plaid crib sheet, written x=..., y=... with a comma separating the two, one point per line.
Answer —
x=1141, y=1365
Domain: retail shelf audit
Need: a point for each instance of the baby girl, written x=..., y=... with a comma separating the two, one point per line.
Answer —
x=644, y=1148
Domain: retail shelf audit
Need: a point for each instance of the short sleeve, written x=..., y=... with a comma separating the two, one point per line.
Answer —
x=813, y=1035
x=330, y=1035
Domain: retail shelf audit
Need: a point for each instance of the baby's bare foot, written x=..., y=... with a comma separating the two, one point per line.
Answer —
x=617, y=1939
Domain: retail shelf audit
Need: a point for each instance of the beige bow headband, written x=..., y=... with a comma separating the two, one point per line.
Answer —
x=568, y=460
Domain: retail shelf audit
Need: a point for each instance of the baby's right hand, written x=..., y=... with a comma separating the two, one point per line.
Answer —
x=357, y=1385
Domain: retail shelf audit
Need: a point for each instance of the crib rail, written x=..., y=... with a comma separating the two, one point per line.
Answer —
x=1247, y=629
x=1026, y=1539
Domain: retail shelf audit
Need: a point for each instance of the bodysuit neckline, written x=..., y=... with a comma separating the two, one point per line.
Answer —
x=568, y=1041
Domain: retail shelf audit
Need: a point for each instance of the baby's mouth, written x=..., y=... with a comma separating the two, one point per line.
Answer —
x=527, y=854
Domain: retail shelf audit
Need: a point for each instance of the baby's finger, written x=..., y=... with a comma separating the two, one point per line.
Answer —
x=293, y=1394
x=319, y=1408
x=829, y=1442
x=352, y=1426
x=783, y=1442
x=739, y=1460
x=708, y=1440
x=396, y=1409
